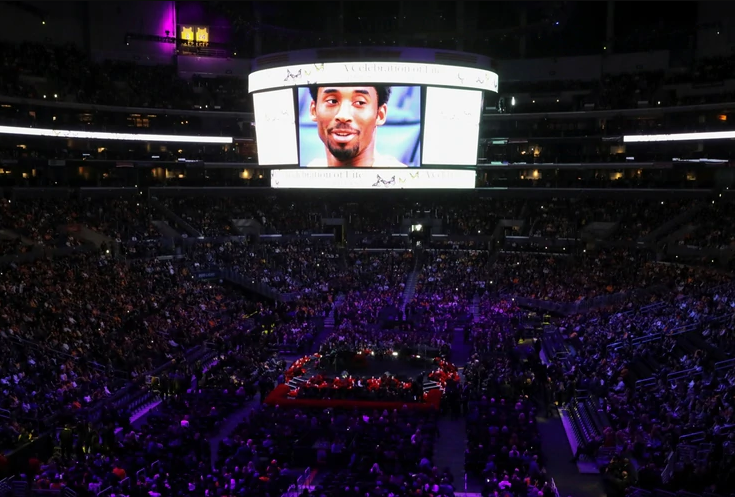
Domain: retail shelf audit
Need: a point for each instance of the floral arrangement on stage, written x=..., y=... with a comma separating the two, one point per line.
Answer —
x=443, y=372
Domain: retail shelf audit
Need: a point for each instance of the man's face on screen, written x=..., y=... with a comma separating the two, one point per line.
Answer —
x=347, y=118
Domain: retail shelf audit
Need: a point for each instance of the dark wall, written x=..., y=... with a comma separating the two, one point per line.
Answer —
x=199, y=14
x=716, y=35
x=99, y=27
x=23, y=21
x=111, y=21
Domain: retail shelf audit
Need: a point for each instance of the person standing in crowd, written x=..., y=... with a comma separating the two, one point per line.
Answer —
x=66, y=440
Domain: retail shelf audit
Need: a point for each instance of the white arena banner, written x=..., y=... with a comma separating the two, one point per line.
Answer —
x=373, y=179
x=96, y=135
x=394, y=73
x=680, y=137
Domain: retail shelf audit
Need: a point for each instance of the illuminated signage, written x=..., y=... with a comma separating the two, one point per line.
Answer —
x=187, y=33
x=680, y=137
x=373, y=179
x=396, y=73
x=194, y=34
x=96, y=135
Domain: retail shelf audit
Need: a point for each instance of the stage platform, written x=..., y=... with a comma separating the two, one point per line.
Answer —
x=279, y=397
x=368, y=366
x=364, y=366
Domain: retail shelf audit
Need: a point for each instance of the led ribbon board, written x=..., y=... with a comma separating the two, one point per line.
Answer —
x=394, y=73
x=373, y=179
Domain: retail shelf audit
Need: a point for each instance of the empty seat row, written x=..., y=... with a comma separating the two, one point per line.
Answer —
x=582, y=415
x=588, y=419
x=552, y=343
x=286, y=348
x=647, y=367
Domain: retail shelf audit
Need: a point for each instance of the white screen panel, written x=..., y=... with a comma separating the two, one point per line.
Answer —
x=275, y=127
x=451, y=126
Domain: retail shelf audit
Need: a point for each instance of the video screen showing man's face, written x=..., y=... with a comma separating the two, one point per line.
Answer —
x=347, y=118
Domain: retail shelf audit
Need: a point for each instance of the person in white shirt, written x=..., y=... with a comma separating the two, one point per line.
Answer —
x=620, y=387
x=347, y=119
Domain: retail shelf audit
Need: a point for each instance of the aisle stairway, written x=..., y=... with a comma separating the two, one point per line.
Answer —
x=6, y=234
x=329, y=320
x=410, y=289
x=475, y=309
x=553, y=345
x=672, y=224
x=176, y=221
x=449, y=450
x=412, y=280
x=450, y=447
x=166, y=230
x=568, y=479
x=460, y=350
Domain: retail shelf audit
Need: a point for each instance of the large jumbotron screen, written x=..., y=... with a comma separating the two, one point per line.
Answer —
x=394, y=116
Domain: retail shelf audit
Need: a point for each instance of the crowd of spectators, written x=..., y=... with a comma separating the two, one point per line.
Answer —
x=169, y=453
x=368, y=218
x=314, y=270
x=499, y=398
x=295, y=335
x=447, y=284
x=56, y=222
x=551, y=219
x=479, y=217
x=559, y=218
x=368, y=451
x=374, y=217
x=43, y=222
x=214, y=216
x=643, y=217
x=603, y=272
x=565, y=218
x=713, y=226
x=299, y=266
x=687, y=331
x=373, y=285
x=12, y=246
x=76, y=327
x=684, y=333
x=382, y=343
x=316, y=267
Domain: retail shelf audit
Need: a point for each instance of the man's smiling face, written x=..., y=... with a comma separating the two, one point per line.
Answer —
x=347, y=119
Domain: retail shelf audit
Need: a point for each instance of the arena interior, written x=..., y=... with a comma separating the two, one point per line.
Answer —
x=540, y=304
